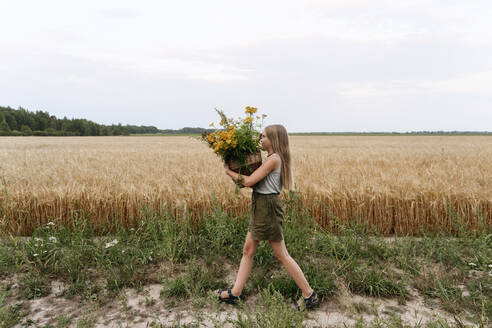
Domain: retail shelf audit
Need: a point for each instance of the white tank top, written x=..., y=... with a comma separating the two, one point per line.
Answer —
x=272, y=182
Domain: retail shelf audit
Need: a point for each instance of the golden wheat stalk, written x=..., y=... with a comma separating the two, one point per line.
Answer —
x=394, y=184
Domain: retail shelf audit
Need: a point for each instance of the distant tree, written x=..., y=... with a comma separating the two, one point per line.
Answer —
x=11, y=121
x=4, y=127
x=40, y=133
x=51, y=132
x=133, y=129
x=105, y=131
x=26, y=130
x=115, y=130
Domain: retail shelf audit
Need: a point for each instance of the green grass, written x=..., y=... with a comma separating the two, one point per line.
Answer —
x=98, y=269
x=272, y=310
x=10, y=315
x=196, y=281
x=34, y=285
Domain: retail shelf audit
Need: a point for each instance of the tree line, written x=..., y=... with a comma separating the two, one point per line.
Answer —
x=22, y=122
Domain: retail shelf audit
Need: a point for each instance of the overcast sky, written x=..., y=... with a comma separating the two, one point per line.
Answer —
x=324, y=65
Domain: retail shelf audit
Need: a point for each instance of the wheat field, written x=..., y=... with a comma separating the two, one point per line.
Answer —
x=395, y=184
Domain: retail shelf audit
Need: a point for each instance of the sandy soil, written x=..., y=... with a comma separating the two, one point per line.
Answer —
x=140, y=309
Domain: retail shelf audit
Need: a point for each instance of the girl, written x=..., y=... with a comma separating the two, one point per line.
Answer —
x=267, y=215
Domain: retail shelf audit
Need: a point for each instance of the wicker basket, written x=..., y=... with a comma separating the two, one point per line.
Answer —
x=254, y=161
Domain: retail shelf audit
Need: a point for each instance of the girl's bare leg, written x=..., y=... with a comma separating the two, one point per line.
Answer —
x=291, y=266
x=249, y=250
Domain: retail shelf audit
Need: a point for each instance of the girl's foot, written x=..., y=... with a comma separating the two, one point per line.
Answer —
x=228, y=297
x=310, y=302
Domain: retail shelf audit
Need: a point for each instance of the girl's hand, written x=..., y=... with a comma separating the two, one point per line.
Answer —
x=226, y=167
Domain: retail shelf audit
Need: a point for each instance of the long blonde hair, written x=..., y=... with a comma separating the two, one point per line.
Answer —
x=277, y=134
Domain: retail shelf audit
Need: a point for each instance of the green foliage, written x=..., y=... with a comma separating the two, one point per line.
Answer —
x=16, y=122
x=272, y=310
x=284, y=284
x=197, y=280
x=4, y=127
x=223, y=234
x=9, y=314
x=374, y=282
x=276, y=311
x=7, y=260
x=480, y=298
x=34, y=285
x=26, y=130
x=321, y=277
x=175, y=288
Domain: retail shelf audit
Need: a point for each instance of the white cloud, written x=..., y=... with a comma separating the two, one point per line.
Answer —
x=175, y=67
x=140, y=37
x=106, y=56
x=478, y=83
x=80, y=80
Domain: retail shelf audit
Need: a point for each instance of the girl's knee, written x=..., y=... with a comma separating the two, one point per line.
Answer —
x=249, y=248
x=282, y=256
x=249, y=251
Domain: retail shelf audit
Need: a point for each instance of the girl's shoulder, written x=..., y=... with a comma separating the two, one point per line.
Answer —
x=276, y=157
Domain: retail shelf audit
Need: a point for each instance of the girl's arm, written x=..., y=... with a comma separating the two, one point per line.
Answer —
x=257, y=175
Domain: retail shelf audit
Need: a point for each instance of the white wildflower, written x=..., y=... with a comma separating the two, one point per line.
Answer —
x=45, y=251
x=150, y=258
x=53, y=239
x=123, y=251
x=490, y=266
x=50, y=224
x=490, y=273
x=35, y=254
x=132, y=229
x=111, y=244
x=38, y=239
x=472, y=264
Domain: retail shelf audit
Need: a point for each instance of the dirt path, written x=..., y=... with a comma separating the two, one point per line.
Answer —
x=141, y=309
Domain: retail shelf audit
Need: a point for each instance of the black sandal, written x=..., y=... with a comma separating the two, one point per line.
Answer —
x=232, y=299
x=310, y=302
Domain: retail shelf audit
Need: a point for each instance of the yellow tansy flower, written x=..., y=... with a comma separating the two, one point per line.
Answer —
x=250, y=109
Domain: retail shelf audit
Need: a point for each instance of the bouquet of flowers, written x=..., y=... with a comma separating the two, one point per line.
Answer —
x=238, y=141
